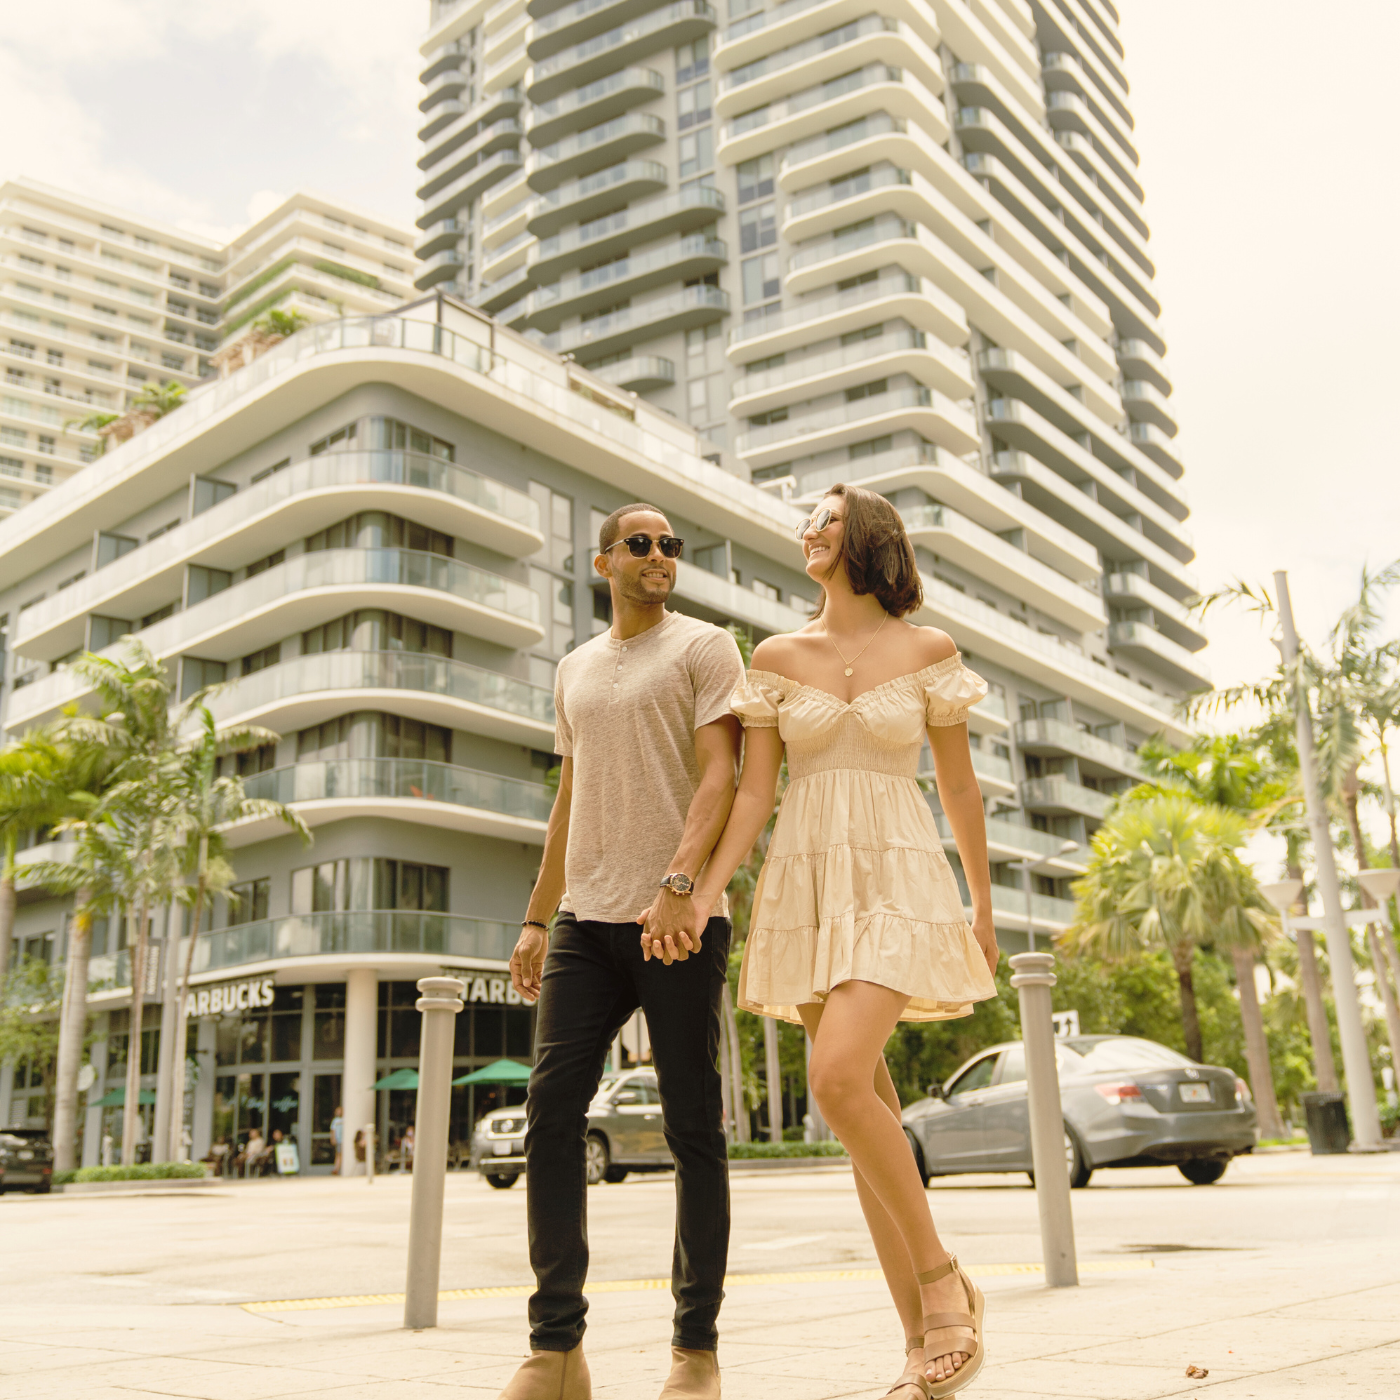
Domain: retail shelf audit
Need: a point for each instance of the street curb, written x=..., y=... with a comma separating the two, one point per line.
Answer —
x=84, y=1188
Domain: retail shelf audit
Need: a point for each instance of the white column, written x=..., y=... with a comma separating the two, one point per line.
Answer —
x=361, y=1055
x=205, y=1035
x=170, y=1042
x=7, y=1083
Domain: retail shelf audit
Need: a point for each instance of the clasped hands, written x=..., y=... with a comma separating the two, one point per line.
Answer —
x=672, y=927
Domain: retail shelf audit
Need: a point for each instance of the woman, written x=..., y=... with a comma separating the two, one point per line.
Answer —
x=857, y=921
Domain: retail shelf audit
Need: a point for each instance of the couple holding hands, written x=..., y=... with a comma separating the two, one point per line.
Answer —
x=857, y=920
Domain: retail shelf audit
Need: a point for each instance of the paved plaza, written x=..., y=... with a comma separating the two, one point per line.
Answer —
x=1284, y=1280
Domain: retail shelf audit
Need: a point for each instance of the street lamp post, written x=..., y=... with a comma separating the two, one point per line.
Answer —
x=1283, y=895
x=1025, y=867
x=1356, y=1055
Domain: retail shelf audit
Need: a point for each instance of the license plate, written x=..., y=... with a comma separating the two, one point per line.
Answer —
x=502, y=1149
x=25, y=1156
x=1195, y=1093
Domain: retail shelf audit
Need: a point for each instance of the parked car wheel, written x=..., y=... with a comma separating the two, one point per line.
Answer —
x=924, y=1174
x=596, y=1159
x=1202, y=1171
x=614, y=1175
x=1075, y=1162
x=502, y=1181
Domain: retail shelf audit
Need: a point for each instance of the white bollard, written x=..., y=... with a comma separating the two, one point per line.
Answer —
x=440, y=1002
x=1033, y=977
x=369, y=1153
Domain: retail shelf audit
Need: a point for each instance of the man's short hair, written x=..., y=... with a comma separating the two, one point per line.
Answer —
x=610, y=531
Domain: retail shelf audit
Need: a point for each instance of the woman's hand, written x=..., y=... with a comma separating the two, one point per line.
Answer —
x=986, y=936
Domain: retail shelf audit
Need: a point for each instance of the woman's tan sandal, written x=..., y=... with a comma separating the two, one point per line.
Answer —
x=911, y=1377
x=976, y=1353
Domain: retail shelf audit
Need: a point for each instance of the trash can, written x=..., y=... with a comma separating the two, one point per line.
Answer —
x=1328, y=1130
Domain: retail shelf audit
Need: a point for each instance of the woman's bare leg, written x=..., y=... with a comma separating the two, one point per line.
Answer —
x=848, y=1039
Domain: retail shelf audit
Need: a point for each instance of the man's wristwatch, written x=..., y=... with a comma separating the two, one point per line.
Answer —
x=679, y=884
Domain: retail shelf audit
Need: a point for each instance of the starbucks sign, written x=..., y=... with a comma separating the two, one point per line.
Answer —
x=229, y=998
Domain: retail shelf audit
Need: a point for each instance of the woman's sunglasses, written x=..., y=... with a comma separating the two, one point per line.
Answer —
x=639, y=546
x=818, y=522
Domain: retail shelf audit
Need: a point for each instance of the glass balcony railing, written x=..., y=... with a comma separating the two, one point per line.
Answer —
x=694, y=305
x=332, y=469
x=656, y=27
x=354, y=931
x=857, y=411
x=817, y=95
x=809, y=48
x=385, y=670
x=700, y=203
x=1025, y=840
x=820, y=307
x=838, y=191
x=812, y=367
x=403, y=777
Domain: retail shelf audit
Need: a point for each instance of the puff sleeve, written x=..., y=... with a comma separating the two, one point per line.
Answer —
x=951, y=692
x=756, y=699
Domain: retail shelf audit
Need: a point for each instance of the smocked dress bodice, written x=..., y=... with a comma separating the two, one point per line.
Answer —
x=855, y=884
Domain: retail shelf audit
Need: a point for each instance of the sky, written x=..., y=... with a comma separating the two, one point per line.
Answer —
x=1268, y=144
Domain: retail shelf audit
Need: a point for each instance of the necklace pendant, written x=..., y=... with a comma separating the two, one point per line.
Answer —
x=849, y=672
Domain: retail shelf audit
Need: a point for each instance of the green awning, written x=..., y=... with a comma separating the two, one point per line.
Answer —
x=399, y=1079
x=501, y=1072
x=116, y=1098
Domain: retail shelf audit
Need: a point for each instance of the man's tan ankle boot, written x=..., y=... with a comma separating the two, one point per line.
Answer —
x=694, y=1376
x=552, y=1375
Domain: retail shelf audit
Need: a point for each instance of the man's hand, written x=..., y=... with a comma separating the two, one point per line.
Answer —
x=527, y=962
x=986, y=937
x=670, y=931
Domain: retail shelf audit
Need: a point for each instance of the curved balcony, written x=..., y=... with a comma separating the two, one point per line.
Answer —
x=506, y=257
x=437, y=937
x=1157, y=445
x=1138, y=360
x=468, y=124
x=666, y=28
x=443, y=115
x=308, y=690
x=993, y=772
x=572, y=24
x=871, y=39
x=506, y=42
x=460, y=193
x=589, y=150
x=1058, y=795
x=799, y=21
x=902, y=351
x=682, y=212
x=640, y=373
x=403, y=789
x=818, y=110
x=821, y=318
x=472, y=151
x=441, y=267
x=1098, y=757
x=595, y=103
x=442, y=87
x=987, y=556
x=1147, y=404
x=1007, y=840
x=311, y=588
x=1034, y=322
x=694, y=306
x=1152, y=649
x=505, y=291
x=881, y=136
x=582, y=199
x=273, y=512
x=443, y=235
x=934, y=417
x=1049, y=915
x=1167, y=614
x=548, y=307
x=1069, y=112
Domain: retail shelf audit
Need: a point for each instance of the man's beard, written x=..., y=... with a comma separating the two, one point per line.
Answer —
x=633, y=591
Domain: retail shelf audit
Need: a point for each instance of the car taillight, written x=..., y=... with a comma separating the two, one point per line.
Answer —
x=1242, y=1094
x=1118, y=1093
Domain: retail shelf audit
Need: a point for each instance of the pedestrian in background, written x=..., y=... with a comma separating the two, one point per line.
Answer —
x=337, y=1137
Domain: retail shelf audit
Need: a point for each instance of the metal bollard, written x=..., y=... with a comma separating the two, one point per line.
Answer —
x=1033, y=977
x=369, y=1153
x=440, y=1002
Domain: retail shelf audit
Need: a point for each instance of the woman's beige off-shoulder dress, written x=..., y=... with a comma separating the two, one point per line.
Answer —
x=855, y=886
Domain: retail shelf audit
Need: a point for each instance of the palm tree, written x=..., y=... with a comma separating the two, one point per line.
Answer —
x=204, y=805
x=95, y=422
x=159, y=399
x=1164, y=872
x=1228, y=771
x=280, y=323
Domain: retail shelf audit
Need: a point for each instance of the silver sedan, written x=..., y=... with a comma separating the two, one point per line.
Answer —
x=1127, y=1103
x=624, y=1134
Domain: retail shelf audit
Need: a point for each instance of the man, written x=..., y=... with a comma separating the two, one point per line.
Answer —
x=649, y=750
x=337, y=1138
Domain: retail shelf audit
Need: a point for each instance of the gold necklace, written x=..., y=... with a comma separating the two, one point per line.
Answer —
x=851, y=663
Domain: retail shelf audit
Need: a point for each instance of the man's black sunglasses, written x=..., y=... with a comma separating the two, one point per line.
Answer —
x=639, y=546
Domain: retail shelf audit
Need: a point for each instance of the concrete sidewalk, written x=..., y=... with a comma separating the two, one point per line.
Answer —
x=1287, y=1284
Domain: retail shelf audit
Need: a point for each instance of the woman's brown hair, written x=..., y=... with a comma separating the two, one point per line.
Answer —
x=876, y=552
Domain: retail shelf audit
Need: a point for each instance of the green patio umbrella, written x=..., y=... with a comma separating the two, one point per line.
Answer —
x=116, y=1098
x=501, y=1072
x=399, y=1079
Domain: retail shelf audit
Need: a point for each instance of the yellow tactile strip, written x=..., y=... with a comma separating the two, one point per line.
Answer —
x=644, y=1285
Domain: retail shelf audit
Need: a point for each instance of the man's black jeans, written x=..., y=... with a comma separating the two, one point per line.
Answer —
x=594, y=979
